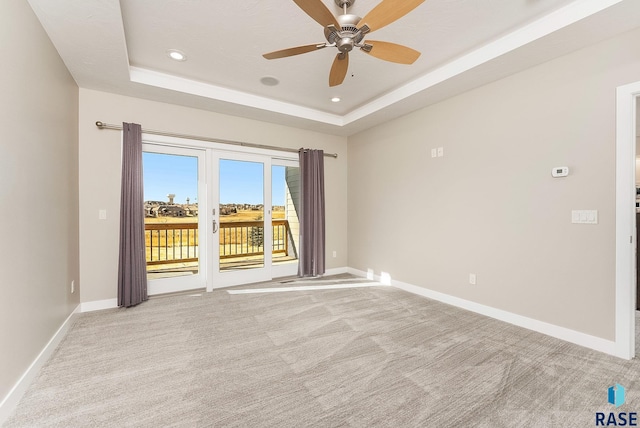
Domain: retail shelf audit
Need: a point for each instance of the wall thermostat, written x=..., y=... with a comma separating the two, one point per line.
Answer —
x=560, y=171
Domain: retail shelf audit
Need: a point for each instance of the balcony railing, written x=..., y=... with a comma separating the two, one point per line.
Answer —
x=245, y=238
x=168, y=243
x=171, y=243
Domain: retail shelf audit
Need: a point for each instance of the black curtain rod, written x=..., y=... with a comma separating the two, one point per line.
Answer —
x=103, y=125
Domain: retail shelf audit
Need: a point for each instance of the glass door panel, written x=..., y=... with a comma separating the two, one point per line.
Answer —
x=171, y=179
x=241, y=233
x=285, y=189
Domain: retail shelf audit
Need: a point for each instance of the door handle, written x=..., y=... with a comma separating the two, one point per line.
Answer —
x=215, y=226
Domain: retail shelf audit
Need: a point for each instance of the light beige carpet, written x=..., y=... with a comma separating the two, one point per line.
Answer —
x=360, y=357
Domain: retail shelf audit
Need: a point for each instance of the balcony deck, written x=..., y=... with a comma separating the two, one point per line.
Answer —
x=172, y=248
x=229, y=264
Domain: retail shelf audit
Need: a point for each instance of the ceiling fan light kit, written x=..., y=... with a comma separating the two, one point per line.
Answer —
x=347, y=31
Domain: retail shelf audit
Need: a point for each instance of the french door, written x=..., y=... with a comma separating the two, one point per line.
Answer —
x=240, y=219
x=217, y=218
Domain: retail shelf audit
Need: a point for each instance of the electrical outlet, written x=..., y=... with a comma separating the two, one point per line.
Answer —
x=73, y=286
x=472, y=278
x=434, y=153
x=335, y=254
x=440, y=152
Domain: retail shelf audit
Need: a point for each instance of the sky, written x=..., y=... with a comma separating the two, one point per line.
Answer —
x=240, y=182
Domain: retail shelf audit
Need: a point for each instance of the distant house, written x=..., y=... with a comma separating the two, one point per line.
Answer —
x=227, y=210
x=151, y=208
x=191, y=210
x=171, y=211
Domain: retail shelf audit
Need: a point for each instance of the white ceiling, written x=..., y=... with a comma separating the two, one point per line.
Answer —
x=121, y=47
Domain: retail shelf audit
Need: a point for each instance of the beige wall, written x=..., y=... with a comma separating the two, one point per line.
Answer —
x=39, y=191
x=490, y=205
x=100, y=174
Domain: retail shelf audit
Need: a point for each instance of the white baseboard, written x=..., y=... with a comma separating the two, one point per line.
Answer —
x=562, y=333
x=336, y=271
x=369, y=275
x=98, y=305
x=9, y=403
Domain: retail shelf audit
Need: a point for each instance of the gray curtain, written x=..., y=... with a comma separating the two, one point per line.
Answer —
x=132, y=266
x=312, y=233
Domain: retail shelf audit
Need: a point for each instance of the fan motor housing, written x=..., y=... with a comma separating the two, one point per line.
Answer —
x=346, y=37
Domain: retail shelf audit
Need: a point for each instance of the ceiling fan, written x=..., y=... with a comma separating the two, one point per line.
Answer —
x=347, y=31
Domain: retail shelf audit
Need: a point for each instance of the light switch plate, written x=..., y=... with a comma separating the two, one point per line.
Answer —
x=102, y=214
x=584, y=216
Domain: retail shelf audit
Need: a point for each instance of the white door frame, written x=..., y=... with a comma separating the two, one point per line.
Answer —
x=626, y=219
x=277, y=158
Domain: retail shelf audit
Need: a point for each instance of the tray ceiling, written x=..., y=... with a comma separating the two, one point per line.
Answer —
x=121, y=47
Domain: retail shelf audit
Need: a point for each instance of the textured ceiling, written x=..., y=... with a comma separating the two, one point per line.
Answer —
x=122, y=47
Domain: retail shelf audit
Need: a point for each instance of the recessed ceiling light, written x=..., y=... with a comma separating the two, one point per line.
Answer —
x=335, y=100
x=176, y=55
x=269, y=81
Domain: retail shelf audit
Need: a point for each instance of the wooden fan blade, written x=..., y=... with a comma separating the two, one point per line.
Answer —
x=339, y=69
x=318, y=11
x=392, y=52
x=388, y=11
x=293, y=51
